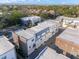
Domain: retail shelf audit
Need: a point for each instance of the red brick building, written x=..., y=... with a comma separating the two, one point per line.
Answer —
x=68, y=41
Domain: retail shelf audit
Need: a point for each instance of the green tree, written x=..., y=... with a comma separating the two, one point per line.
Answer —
x=44, y=15
x=15, y=16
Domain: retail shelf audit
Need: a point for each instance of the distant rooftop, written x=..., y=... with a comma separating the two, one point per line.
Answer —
x=30, y=17
x=67, y=18
x=48, y=23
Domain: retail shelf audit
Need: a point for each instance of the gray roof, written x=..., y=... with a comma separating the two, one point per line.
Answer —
x=30, y=31
x=49, y=53
x=48, y=23
x=38, y=28
x=24, y=34
x=5, y=45
x=71, y=35
x=31, y=18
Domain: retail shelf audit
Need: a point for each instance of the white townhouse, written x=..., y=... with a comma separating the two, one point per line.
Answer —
x=40, y=34
x=32, y=38
x=52, y=25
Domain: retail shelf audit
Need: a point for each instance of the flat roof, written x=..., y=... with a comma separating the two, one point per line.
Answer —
x=30, y=17
x=49, y=53
x=71, y=35
x=48, y=23
x=38, y=28
x=24, y=34
x=68, y=18
x=5, y=45
x=30, y=31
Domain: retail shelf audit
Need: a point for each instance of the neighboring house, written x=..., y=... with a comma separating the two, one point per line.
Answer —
x=32, y=38
x=68, y=22
x=75, y=22
x=25, y=41
x=68, y=42
x=40, y=33
x=7, y=50
x=33, y=20
x=49, y=53
x=52, y=25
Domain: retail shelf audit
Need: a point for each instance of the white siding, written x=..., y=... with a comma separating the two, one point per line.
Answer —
x=30, y=44
x=9, y=54
x=38, y=43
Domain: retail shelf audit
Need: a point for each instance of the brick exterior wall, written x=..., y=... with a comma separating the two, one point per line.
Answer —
x=67, y=46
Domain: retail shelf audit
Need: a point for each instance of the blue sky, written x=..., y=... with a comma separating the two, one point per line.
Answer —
x=40, y=2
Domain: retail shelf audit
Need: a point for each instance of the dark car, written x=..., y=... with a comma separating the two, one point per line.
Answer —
x=1, y=33
x=8, y=35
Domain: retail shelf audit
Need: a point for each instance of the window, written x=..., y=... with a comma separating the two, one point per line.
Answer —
x=4, y=57
x=34, y=45
x=38, y=36
x=43, y=34
x=29, y=46
x=32, y=40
